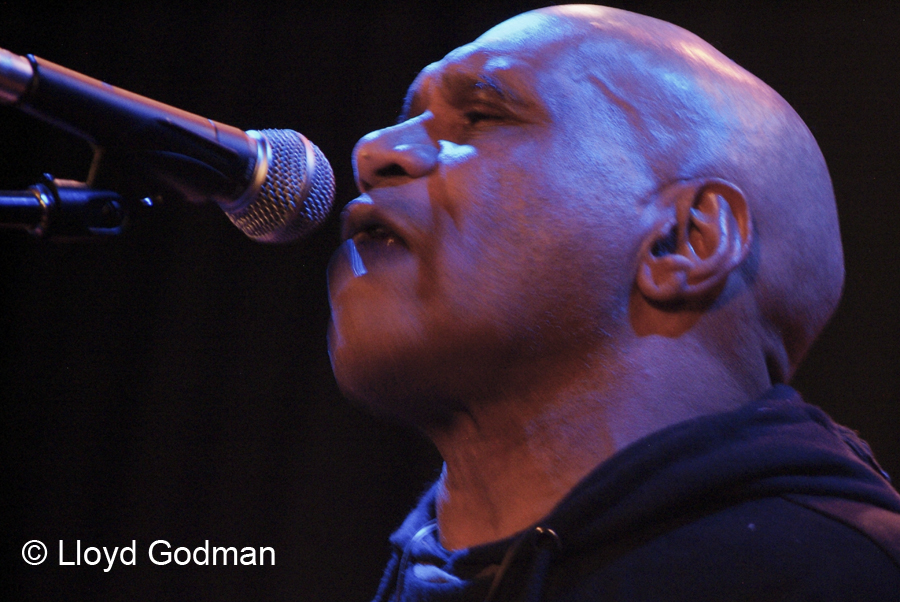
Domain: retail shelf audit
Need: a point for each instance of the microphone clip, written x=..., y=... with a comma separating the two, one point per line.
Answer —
x=66, y=209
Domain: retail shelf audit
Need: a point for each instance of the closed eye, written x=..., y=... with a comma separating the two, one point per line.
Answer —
x=476, y=117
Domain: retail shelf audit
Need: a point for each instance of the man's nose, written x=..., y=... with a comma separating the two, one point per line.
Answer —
x=388, y=157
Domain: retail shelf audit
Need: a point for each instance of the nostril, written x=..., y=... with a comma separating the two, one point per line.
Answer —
x=391, y=156
x=393, y=169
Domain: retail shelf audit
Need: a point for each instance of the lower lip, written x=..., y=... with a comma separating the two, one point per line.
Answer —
x=365, y=256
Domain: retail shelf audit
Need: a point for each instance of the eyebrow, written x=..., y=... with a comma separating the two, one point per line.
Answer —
x=462, y=86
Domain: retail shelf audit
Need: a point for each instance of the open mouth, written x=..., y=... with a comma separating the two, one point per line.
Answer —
x=375, y=234
x=367, y=226
x=378, y=233
x=371, y=245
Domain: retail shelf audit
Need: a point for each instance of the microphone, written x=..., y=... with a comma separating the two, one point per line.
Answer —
x=274, y=185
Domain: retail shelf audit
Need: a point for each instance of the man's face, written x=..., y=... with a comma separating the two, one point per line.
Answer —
x=492, y=239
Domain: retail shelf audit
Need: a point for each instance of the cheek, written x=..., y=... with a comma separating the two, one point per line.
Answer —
x=494, y=285
x=555, y=261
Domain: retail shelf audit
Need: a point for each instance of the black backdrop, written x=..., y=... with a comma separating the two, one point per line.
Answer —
x=173, y=383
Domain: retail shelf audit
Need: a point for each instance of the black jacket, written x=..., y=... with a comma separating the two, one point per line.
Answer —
x=773, y=501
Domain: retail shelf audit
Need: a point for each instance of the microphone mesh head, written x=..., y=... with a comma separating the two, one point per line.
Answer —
x=295, y=197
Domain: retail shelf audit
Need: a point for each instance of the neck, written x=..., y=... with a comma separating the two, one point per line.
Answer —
x=504, y=471
x=509, y=460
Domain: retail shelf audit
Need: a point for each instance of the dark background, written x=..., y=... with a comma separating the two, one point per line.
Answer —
x=173, y=383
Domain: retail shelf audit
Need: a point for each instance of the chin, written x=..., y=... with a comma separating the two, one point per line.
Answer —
x=363, y=377
x=388, y=383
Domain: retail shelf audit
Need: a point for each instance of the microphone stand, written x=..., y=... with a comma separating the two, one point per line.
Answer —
x=66, y=209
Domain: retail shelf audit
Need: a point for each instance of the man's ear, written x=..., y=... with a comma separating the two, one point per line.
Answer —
x=703, y=233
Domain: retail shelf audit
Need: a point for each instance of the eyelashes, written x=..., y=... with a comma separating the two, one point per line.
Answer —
x=476, y=117
x=481, y=113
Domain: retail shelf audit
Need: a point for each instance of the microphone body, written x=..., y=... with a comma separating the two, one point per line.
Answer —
x=275, y=185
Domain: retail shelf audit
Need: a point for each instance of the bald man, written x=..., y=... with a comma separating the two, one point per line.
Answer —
x=584, y=263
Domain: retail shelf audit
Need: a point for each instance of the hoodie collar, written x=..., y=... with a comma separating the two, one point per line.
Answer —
x=777, y=445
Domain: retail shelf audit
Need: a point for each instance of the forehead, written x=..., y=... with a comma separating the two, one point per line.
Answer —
x=511, y=62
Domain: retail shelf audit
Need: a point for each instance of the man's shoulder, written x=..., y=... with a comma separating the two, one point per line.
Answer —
x=879, y=525
x=762, y=549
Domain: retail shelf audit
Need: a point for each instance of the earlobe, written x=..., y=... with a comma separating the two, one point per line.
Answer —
x=703, y=233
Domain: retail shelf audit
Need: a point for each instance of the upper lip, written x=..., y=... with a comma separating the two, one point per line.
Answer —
x=363, y=216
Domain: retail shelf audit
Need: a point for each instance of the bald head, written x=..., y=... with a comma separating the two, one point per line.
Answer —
x=581, y=195
x=681, y=110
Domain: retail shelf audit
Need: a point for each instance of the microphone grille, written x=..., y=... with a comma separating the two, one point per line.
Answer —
x=297, y=193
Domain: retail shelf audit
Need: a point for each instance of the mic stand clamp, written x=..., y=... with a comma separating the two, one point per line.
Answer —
x=64, y=209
